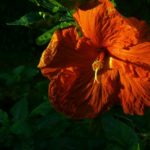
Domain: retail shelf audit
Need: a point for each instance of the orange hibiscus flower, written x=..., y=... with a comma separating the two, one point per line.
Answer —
x=109, y=64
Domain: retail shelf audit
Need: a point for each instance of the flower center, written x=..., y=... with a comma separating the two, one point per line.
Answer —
x=98, y=65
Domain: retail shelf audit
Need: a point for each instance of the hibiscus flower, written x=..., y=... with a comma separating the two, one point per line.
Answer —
x=109, y=64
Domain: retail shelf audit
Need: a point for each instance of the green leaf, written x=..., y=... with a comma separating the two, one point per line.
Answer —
x=51, y=119
x=18, y=70
x=20, y=110
x=62, y=3
x=45, y=37
x=113, y=147
x=22, y=73
x=48, y=2
x=15, y=75
x=70, y=4
x=77, y=3
x=43, y=109
x=118, y=132
x=21, y=128
x=29, y=73
x=35, y=2
x=55, y=9
x=51, y=5
x=114, y=2
x=42, y=87
x=35, y=19
x=135, y=147
x=3, y=117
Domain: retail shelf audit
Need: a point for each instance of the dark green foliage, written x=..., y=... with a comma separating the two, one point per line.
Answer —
x=27, y=120
x=136, y=8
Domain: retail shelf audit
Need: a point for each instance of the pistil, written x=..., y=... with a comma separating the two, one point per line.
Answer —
x=98, y=65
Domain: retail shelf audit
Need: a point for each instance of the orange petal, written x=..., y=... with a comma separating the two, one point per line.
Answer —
x=106, y=27
x=138, y=55
x=67, y=62
x=75, y=93
x=66, y=49
x=135, y=86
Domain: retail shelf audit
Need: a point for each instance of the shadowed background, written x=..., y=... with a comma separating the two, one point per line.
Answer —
x=28, y=121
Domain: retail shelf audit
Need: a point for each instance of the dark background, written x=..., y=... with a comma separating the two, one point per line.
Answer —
x=28, y=121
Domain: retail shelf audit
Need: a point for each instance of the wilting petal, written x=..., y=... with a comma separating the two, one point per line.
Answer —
x=75, y=93
x=67, y=62
x=66, y=49
x=105, y=93
x=133, y=66
x=106, y=27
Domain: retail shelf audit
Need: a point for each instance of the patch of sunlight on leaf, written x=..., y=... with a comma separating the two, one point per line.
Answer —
x=32, y=18
x=55, y=9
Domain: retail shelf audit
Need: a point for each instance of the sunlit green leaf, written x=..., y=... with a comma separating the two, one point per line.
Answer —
x=54, y=2
x=36, y=19
x=49, y=4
